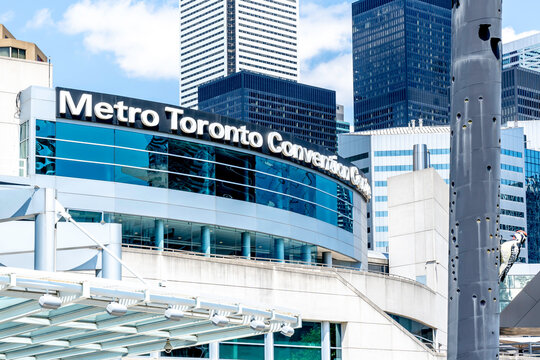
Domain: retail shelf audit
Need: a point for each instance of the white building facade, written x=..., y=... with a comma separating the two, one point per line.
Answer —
x=523, y=52
x=418, y=233
x=221, y=37
x=381, y=154
x=16, y=74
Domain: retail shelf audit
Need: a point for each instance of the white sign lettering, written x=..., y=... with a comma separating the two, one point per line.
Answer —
x=238, y=135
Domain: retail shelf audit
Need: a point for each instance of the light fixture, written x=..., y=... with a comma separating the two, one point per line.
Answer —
x=257, y=325
x=174, y=314
x=286, y=330
x=219, y=320
x=168, y=347
x=50, y=302
x=116, y=309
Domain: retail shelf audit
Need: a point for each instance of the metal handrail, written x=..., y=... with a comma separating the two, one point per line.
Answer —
x=304, y=264
x=238, y=257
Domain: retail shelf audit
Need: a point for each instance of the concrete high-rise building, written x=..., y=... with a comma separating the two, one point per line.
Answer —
x=21, y=64
x=381, y=154
x=401, y=62
x=304, y=111
x=221, y=37
x=524, y=53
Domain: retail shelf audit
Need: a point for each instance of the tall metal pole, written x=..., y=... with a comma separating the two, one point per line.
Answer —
x=473, y=310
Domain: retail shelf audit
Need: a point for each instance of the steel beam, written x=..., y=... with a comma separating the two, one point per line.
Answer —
x=473, y=310
x=60, y=354
x=31, y=351
x=19, y=310
x=17, y=330
x=96, y=356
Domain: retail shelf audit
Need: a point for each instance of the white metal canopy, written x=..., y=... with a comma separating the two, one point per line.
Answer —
x=81, y=326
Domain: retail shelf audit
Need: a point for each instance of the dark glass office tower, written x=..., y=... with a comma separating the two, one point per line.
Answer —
x=520, y=94
x=401, y=62
x=532, y=177
x=304, y=111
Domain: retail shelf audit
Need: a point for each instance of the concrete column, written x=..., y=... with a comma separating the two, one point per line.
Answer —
x=44, y=240
x=159, y=232
x=325, y=340
x=205, y=240
x=213, y=349
x=112, y=269
x=269, y=346
x=306, y=253
x=279, y=249
x=246, y=245
x=327, y=258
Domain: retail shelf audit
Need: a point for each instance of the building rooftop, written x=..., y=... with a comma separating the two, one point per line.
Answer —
x=404, y=131
x=522, y=43
x=18, y=49
x=409, y=130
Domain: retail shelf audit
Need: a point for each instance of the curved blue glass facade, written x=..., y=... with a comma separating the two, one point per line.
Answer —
x=143, y=158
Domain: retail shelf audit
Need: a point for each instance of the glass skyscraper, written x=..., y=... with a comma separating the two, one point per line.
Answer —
x=307, y=112
x=520, y=94
x=532, y=177
x=401, y=62
x=220, y=37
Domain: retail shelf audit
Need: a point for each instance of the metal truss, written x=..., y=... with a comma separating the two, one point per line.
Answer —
x=81, y=326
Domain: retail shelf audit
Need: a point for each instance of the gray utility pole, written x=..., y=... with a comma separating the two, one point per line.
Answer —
x=473, y=296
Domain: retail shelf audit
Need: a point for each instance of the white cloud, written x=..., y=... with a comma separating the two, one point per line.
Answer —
x=509, y=34
x=142, y=37
x=334, y=74
x=6, y=16
x=325, y=50
x=41, y=18
x=324, y=29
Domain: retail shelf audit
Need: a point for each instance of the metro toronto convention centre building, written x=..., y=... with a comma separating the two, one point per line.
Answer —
x=189, y=180
x=209, y=206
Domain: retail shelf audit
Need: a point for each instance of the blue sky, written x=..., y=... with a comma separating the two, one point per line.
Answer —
x=128, y=47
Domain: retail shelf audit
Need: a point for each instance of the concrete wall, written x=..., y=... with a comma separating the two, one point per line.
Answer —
x=418, y=233
x=16, y=75
x=359, y=300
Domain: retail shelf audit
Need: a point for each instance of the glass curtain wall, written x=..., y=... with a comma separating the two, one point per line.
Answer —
x=102, y=153
x=186, y=236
